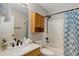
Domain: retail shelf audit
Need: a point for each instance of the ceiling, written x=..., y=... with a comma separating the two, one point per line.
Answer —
x=20, y=7
x=57, y=7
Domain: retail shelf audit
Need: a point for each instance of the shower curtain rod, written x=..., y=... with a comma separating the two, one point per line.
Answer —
x=49, y=16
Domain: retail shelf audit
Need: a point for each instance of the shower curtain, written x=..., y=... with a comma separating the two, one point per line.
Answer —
x=71, y=33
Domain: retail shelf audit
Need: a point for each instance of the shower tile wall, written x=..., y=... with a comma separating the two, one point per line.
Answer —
x=56, y=32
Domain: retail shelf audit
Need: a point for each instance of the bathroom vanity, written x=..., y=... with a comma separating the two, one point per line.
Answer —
x=24, y=50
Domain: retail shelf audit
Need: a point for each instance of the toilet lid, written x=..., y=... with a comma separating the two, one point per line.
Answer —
x=47, y=51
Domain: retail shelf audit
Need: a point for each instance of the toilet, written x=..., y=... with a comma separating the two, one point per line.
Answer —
x=47, y=52
x=44, y=50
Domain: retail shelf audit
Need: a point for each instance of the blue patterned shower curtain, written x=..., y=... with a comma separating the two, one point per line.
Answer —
x=71, y=33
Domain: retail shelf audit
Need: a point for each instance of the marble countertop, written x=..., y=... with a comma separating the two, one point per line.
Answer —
x=19, y=50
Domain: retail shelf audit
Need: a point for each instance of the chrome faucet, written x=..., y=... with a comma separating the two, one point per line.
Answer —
x=18, y=41
x=4, y=40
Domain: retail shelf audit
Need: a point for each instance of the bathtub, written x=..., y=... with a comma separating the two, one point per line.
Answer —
x=58, y=52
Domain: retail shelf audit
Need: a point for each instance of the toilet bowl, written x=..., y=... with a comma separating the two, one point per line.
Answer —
x=47, y=52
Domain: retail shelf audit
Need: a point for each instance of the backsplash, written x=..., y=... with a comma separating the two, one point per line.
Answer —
x=56, y=32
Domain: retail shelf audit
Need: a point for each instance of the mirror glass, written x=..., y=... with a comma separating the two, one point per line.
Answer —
x=13, y=21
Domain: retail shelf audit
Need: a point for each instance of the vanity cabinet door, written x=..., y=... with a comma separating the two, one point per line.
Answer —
x=37, y=23
x=35, y=52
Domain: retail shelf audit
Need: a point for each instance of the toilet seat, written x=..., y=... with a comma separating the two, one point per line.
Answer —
x=47, y=52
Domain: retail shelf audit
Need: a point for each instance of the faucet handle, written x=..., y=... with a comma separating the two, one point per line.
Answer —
x=14, y=39
x=4, y=40
x=12, y=44
x=19, y=42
